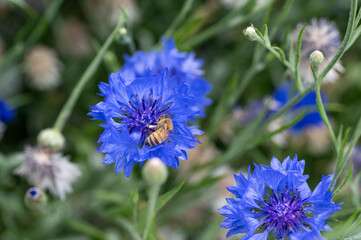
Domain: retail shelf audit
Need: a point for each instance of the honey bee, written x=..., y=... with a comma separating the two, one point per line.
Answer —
x=162, y=130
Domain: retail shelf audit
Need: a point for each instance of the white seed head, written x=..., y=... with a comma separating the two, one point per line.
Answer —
x=50, y=171
x=316, y=58
x=42, y=68
x=51, y=139
x=155, y=172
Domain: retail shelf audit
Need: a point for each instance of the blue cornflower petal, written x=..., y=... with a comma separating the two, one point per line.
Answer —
x=130, y=111
x=184, y=66
x=277, y=200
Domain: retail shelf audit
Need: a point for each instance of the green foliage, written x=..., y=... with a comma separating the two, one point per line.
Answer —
x=108, y=206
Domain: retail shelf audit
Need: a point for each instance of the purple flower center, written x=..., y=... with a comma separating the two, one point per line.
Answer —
x=283, y=213
x=141, y=114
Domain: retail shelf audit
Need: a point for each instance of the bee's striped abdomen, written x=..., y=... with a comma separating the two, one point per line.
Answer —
x=156, y=138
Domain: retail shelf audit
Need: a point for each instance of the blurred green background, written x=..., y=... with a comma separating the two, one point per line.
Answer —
x=101, y=200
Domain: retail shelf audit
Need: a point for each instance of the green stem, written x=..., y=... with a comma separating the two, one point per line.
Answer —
x=228, y=101
x=231, y=20
x=154, y=191
x=69, y=105
x=321, y=109
x=345, y=41
x=290, y=103
x=17, y=50
x=276, y=54
x=297, y=63
x=180, y=17
x=129, y=227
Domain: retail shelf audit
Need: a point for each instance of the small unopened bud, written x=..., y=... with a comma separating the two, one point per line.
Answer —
x=123, y=31
x=155, y=172
x=51, y=139
x=316, y=58
x=35, y=199
x=251, y=33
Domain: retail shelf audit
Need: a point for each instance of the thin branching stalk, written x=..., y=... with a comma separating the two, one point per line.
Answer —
x=70, y=103
x=154, y=191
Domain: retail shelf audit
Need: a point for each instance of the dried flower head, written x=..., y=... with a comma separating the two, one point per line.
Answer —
x=48, y=171
x=321, y=35
x=74, y=39
x=105, y=13
x=43, y=68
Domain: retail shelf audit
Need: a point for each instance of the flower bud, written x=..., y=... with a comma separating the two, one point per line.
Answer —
x=251, y=33
x=35, y=199
x=51, y=139
x=316, y=58
x=155, y=172
x=123, y=31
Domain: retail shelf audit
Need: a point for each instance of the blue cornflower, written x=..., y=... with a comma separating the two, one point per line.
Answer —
x=286, y=92
x=277, y=200
x=7, y=113
x=183, y=65
x=131, y=109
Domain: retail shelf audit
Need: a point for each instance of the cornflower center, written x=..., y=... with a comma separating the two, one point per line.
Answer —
x=141, y=115
x=283, y=213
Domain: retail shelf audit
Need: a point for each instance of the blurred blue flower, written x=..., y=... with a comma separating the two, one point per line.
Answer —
x=131, y=109
x=284, y=93
x=7, y=113
x=278, y=200
x=183, y=65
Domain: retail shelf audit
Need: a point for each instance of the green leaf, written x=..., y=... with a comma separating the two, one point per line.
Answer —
x=265, y=36
x=129, y=227
x=281, y=129
x=204, y=183
x=281, y=54
x=162, y=200
x=291, y=53
x=227, y=100
x=343, y=183
x=297, y=64
x=212, y=229
x=356, y=236
x=86, y=228
x=25, y=6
